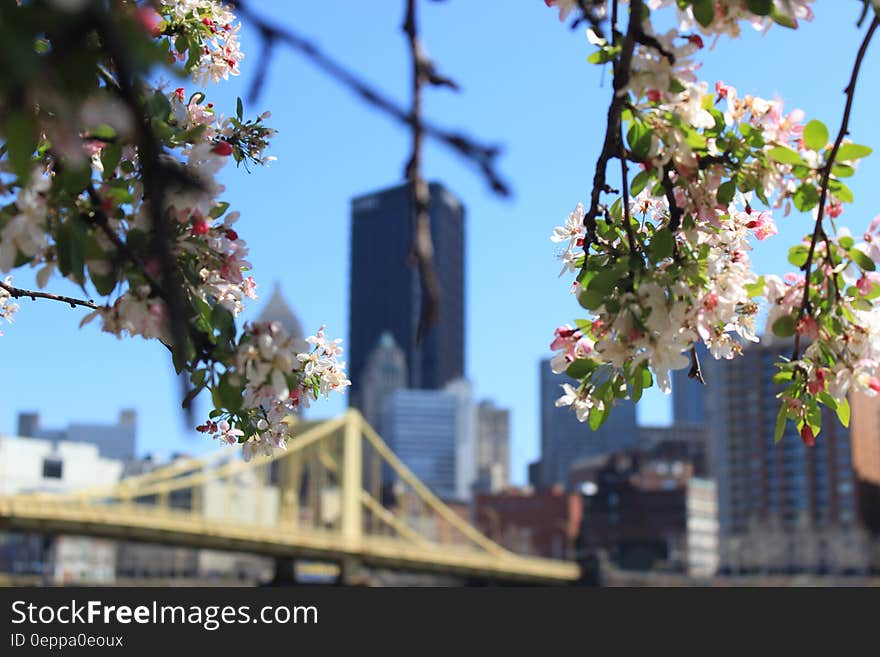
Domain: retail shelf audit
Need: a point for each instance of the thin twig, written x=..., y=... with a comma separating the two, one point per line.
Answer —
x=18, y=293
x=422, y=251
x=819, y=231
x=154, y=180
x=483, y=157
x=611, y=147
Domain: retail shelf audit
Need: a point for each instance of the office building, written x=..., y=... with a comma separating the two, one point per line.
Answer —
x=634, y=507
x=432, y=432
x=49, y=465
x=114, y=441
x=386, y=292
x=565, y=440
x=685, y=441
x=493, y=447
x=542, y=523
x=702, y=528
x=384, y=373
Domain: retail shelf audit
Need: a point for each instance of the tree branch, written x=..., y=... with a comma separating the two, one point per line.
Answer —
x=612, y=146
x=483, y=157
x=422, y=251
x=18, y=293
x=819, y=231
x=155, y=178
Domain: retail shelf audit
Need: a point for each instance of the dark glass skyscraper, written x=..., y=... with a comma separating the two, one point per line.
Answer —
x=386, y=293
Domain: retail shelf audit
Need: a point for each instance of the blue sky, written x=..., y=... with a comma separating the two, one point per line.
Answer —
x=526, y=85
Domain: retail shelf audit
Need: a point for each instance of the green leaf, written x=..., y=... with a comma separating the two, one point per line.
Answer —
x=639, y=137
x=781, y=420
x=815, y=135
x=782, y=19
x=827, y=399
x=785, y=326
x=218, y=210
x=104, y=283
x=760, y=7
x=704, y=11
x=726, y=192
x=782, y=377
x=849, y=152
x=590, y=300
x=798, y=254
x=239, y=108
x=636, y=387
x=662, y=244
x=598, y=416
x=230, y=395
x=605, y=281
x=843, y=411
x=846, y=242
x=640, y=182
x=785, y=155
x=222, y=320
x=20, y=131
x=755, y=289
x=159, y=106
x=843, y=170
x=604, y=55
x=861, y=260
x=74, y=179
x=806, y=197
x=840, y=191
x=580, y=368
x=110, y=156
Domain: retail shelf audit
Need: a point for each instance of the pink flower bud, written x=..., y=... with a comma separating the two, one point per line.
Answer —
x=222, y=148
x=807, y=436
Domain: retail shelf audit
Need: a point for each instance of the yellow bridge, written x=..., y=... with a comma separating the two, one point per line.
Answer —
x=336, y=494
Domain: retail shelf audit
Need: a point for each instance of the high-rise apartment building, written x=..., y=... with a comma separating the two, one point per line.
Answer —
x=565, y=440
x=386, y=292
x=780, y=505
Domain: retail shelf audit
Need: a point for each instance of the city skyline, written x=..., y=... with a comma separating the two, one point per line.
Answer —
x=332, y=149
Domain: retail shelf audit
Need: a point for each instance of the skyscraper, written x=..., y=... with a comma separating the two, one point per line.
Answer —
x=424, y=429
x=780, y=505
x=386, y=294
x=384, y=373
x=565, y=440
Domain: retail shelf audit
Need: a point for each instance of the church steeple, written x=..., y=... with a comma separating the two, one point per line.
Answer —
x=277, y=310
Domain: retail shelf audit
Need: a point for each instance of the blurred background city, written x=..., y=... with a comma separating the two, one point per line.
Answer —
x=457, y=467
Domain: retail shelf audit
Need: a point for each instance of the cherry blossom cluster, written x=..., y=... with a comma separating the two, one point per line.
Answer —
x=273, y=376
x=202, y=33
x=76, y=168
x=666, y=265
x=7, y=307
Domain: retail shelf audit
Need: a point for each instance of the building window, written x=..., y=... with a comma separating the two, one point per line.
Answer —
x=52, y=468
